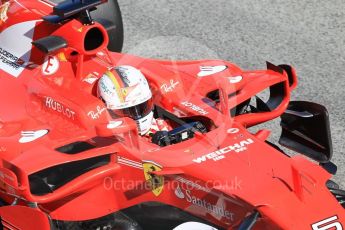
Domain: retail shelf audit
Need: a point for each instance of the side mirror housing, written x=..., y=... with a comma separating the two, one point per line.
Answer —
x=306, y=129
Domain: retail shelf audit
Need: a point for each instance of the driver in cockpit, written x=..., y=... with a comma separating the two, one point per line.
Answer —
x=126, y=93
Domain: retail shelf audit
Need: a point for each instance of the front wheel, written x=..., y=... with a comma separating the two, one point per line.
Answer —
x=109, y=15
x=110, y=12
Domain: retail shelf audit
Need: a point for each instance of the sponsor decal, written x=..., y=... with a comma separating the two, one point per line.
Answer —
x=114, y=124
x=60, y=108
x=233, y=130
x=3, y=12
x=124, y=72
x=50, y=66
x=169, y=87
x=235, y=79
x=14, y=57
x=194, y=107
x=9, y=59
x=179, y=193
x=210, y=70
x=130, y=163
x=156, y=182
x=106, y=88
x=192, y=184
x=220, y=154
x=329, y=223
x=217, y=209
x=29, y=136
x=96, y=114
x=90, y=78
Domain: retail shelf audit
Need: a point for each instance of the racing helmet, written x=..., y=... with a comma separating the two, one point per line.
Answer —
x=126, y=93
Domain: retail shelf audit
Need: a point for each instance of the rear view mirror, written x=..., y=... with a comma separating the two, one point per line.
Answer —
x=118, y=126
x=123, y=129
x=306, y=129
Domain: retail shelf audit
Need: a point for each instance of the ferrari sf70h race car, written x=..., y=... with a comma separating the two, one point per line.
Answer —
x=67, y=162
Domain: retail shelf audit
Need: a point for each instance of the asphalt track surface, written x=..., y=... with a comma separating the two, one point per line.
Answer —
x=310, y=35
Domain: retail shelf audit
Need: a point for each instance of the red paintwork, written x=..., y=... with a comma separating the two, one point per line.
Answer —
x=289, y=192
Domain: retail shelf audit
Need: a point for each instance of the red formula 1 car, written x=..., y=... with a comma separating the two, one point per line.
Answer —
x=68, y=163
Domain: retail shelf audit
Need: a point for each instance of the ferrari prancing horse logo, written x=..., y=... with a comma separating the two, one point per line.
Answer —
x=156, y=183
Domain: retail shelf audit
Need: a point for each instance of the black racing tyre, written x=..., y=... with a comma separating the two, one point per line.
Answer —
x=109, y=15
x=110, y=12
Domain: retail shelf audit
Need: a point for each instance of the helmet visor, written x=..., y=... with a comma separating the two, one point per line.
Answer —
x=135, y=112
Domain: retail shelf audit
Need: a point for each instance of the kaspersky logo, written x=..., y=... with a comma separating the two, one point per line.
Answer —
x=220, y=154
x=216, y=210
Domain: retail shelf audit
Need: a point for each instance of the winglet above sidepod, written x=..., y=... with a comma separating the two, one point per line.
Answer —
x=73, y=9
